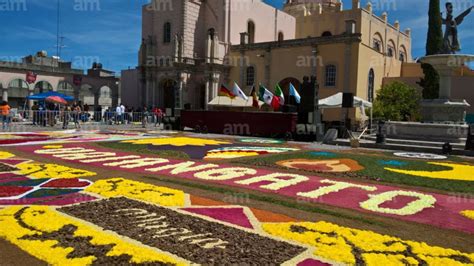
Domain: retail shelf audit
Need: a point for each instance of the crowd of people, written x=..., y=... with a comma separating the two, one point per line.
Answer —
x=126, y=115
x=49, y=114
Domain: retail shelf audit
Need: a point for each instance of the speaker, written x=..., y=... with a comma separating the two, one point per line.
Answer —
x=470, y=139
x=347, y=100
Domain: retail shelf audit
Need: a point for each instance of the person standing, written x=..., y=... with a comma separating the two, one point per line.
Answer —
x=158, y=116
x=122, y=109
x=145, y=117
x=42, y=115
x=35, y=109
x=66, y=116
x=118, y=115
x=5, y=115
x=76, y=116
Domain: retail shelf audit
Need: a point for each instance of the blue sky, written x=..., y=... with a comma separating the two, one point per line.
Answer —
x=109, y=30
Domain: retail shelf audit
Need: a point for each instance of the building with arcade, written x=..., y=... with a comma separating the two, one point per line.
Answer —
x=40, y=73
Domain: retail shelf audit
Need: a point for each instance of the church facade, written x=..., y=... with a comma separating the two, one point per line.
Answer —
x=190, y=47
x=182, y=58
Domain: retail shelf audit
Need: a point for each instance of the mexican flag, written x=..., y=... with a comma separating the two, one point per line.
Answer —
x=265, y=95
x=279, y=94
x=279, y=99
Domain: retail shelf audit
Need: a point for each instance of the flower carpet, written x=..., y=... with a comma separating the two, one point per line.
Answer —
x=451, y=174
x=69, y=136
x=74, y=214
x=213, y=149
x=161, y=225
x=26, y=182
x=403, y=204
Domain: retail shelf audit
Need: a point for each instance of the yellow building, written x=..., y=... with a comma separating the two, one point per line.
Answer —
x=348, y=50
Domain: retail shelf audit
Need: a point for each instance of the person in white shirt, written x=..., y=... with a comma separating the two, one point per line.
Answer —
x=118, y=114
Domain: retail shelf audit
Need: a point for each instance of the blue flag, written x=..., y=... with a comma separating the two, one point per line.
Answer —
x=294, y=93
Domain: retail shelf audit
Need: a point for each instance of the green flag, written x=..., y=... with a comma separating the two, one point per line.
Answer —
x=279, y=94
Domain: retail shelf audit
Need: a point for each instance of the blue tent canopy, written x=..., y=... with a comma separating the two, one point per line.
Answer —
x=43, y=96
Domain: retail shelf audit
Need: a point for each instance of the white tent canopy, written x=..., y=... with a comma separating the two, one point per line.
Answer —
x=237, y=102
x=335, y=101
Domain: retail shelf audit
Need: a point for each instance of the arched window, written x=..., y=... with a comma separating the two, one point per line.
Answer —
x=390, y=52
x=18, y=84
x=105, y=97
x=105, y=92
x=377, y=43
x=326, y=34
x=403, y=54
x=251, y=31
x=211, y=33
x=66, y=88
x=281, y=37
x=370, y=89
x=167, y=32
x=18, y=88
x=331, y=75
x=391, y=49
x=250, y=76
x=402, y=57
x=43, y=86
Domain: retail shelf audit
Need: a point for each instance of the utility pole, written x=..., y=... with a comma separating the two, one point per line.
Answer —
x=57, y=29
x=59, y=38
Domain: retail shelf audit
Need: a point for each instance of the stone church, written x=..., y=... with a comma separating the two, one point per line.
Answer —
x=190, y=47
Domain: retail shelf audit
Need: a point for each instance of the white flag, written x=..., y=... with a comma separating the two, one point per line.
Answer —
x=265, y=95
x=237, y=91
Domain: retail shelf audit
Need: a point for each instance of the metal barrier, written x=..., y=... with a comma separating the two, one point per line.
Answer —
x=51, y=118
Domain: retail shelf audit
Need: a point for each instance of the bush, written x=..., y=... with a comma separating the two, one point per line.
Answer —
x=397, y=102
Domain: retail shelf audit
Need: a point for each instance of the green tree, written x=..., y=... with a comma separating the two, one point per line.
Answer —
x=397, y=101
x=434, y=45
x=434, y=41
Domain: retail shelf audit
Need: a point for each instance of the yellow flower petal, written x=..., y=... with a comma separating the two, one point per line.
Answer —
x=469, y=214
x=179, y=142
x=457, y=172
x=40, y=221
x=136, y=190
x=6, y=155
x=39, y=170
